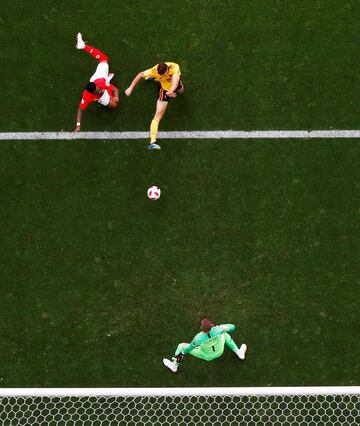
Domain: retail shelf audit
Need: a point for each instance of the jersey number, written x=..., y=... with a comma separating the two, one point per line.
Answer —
x=213, y=348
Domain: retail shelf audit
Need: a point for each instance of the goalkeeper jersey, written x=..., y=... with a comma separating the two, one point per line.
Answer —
x=210, y=343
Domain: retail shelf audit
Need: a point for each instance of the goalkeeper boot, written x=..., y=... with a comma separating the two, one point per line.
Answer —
x=154, y=146
x=242, y=351
x=172, y=365
x=79, y=41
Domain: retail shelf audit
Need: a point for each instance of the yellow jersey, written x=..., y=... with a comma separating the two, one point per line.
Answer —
x=165, y=80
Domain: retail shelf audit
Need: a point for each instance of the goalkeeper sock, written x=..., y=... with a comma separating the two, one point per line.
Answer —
x=154, y=130
x=178, y=358
x=230, y=343
x=97, y=54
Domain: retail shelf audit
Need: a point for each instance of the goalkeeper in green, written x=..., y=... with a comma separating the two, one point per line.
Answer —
x=208, y=344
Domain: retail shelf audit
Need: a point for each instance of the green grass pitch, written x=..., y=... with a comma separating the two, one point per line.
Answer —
x=98, y=284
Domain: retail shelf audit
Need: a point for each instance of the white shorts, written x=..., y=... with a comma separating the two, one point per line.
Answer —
x=105, y=98
x=102, y=71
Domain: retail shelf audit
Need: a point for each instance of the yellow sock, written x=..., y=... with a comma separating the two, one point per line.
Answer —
x=154, y=130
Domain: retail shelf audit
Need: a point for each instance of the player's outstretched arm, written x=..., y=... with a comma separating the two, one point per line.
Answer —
x=78, y=120
x=227, y=328
x=136, y=80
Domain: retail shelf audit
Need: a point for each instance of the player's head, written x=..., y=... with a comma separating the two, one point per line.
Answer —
x=162, y=68
x=91, y=87
x=206, y=325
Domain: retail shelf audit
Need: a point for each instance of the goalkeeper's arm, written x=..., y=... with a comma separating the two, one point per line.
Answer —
x=227, y=328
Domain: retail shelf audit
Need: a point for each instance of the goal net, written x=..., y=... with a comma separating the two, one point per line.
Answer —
x=181, y=406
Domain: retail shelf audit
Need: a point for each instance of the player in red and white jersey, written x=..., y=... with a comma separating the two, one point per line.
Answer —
x=99, y=87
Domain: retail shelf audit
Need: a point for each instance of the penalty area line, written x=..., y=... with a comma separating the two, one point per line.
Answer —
x=210, y=134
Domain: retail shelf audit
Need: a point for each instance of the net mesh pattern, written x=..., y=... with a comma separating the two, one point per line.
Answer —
x=181, y=410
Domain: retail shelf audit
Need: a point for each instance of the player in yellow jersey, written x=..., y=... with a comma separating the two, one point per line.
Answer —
x=168, y=74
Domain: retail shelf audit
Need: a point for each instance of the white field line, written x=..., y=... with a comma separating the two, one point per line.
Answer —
x=211, y=134
x=222, y=391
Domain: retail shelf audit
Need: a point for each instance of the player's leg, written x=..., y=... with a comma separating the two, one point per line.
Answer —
x=173, y=364
x=96, y=53
x=232, y=345
x=159, y=113
x=102, y=71
x=197, y=353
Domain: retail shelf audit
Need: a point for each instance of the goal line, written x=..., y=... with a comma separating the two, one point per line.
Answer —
x=210, y=134
x=183, y=391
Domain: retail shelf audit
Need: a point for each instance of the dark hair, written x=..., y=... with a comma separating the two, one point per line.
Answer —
x=90, y=87
x=162, y=68
x=206, y=325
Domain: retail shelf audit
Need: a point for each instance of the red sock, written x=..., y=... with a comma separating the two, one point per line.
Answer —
x=97, y=54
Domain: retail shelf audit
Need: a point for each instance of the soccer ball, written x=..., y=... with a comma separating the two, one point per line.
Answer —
x=154, y=193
